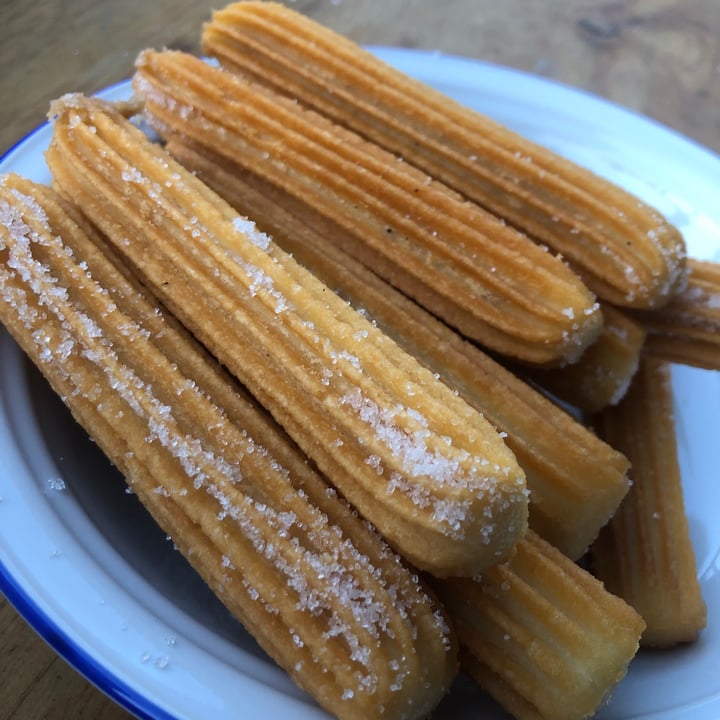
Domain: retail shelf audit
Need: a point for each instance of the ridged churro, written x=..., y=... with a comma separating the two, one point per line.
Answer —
x=320, y=591
x=626, y=251
x=461, y=263
x=645, y=554
x=417, y=461
x=687, y=329
x=542, y=635
x=575, y=480
x=603, y=374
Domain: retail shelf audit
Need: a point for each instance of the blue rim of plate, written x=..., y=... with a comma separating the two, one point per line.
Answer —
x=84, y=662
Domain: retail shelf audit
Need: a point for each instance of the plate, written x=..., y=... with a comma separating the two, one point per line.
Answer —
x=85, y=565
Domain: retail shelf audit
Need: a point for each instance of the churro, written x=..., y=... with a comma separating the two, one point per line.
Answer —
x=645, y=554
x=575, y=480
x=687, y=329
x=602, y=376
x=542, y=635
x=320, y=591
x=464, y=265
x=627, y=252
x=416, y=460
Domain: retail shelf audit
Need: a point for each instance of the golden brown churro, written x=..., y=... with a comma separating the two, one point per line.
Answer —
x=320, y=591
x=687, y=329
x=302, y=404
x=602, y=376
x=466, y=266
x=542, y=635
x=645, y=554
x=627, y=252
x=575, y=480
x=416, y=460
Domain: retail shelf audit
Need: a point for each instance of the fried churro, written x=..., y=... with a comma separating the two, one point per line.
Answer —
x=575, y=480
x=602, y=376
x=687, y=329
x=461, y=263
x=645, y=554
x=417, y=461
x=542, y=635
x=627, y=252
x=320, y=591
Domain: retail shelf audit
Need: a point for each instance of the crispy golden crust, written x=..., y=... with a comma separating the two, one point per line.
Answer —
x=320, y=591
x=645, y=554
x=415, y=460
x=541, y=635
x=687, y=329
x=575, y=480
x=461, y=263
x=626, y=252
x=602, y=376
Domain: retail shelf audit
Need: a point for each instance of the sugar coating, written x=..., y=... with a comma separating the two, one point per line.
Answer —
x=56, y=483
x=702, y=297
x=418, y=462
x=322, y=567
x=321, y=349
x=249, y=229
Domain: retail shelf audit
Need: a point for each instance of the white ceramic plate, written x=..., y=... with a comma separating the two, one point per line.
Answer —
x=84, y=564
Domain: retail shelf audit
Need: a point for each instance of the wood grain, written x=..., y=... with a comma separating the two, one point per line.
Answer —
x=657, y=57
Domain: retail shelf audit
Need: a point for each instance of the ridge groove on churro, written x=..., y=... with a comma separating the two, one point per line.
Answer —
x=627, y=252
x=542, y=635
x=687, y=329
x=575, y=480
x=603, y=374
x=463, y=264
x=416, y=460
x=645, y=553
x=321, y=592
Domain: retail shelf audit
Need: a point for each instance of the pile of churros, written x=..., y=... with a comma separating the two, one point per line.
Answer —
x=393, y=378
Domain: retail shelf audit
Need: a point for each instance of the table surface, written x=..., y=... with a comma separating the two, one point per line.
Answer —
x=657, y=57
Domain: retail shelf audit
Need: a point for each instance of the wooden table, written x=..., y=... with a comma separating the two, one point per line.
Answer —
x=658, y=57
